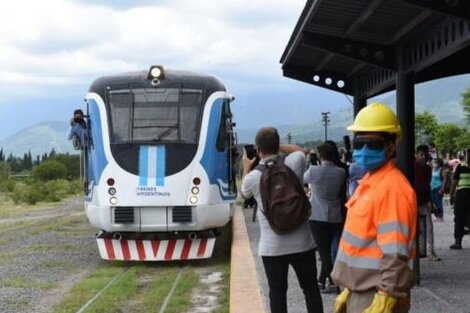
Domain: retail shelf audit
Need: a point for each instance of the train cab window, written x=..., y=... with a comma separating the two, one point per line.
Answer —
x=155, y=115
x=222, y=133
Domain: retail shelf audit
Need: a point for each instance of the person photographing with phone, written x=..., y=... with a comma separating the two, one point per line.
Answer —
x=251, y=202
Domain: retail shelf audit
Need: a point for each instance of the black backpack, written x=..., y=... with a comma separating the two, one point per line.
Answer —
x=285, y=203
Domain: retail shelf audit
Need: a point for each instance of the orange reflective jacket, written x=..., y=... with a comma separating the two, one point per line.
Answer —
x=377, y=248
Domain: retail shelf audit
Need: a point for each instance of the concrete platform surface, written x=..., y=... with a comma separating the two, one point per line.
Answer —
x=444, y=288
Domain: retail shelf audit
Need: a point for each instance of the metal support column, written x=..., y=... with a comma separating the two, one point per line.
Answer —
x=406, y=114
x=360, y=100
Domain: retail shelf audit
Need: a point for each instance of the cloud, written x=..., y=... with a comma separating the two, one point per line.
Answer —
x=55, y=42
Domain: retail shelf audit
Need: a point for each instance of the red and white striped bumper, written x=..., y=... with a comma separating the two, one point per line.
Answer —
x=155, y=250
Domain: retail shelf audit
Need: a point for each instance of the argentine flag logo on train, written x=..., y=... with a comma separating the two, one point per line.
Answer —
x=152, y=166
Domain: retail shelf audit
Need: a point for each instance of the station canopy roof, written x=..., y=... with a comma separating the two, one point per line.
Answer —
x=357, y=46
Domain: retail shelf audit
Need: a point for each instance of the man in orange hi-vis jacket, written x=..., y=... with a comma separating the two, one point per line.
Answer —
x=376, y=252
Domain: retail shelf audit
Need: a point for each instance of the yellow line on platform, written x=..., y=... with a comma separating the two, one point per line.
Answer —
x=245, y=294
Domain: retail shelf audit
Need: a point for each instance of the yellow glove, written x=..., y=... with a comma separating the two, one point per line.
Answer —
x=381, y=304
x=340, y=302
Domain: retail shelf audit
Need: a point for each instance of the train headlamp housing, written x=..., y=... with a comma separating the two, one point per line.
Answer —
x=113, y=200
x=193, y=200
x=156, y=72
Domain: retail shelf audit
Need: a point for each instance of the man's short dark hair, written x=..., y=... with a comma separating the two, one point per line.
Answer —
x=267, y=140
x=422, y=148
x=327, y=152
x=78, y=111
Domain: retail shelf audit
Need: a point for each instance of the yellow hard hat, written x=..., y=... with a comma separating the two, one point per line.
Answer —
x=376, y=117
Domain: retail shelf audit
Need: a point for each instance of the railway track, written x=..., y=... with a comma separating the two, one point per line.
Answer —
x=50, y=263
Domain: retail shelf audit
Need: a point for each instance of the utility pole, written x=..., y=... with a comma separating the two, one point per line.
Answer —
x=326, y=122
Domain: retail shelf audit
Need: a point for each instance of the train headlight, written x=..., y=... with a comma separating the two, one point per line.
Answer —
x=193, y=199
x=113, y=200
x=195, y=190
x=112, y=191
x=156, y=72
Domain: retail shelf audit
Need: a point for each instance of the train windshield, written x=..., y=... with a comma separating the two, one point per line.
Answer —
x=155, y=115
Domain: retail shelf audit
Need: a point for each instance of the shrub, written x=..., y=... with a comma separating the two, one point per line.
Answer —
x=49, y=170
x=75, y=187
x=7, y=186
x=55, y=190
x=24, y=193
x=31, y=195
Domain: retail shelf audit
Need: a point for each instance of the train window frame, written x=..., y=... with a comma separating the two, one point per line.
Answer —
x=187, y=135
x=221, y=141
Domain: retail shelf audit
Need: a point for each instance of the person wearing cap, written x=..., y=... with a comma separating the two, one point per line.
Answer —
x=376, y=251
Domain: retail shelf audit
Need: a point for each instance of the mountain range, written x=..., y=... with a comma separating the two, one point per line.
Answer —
x=440, y=97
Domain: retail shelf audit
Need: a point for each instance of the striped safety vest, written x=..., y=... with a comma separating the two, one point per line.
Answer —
x=377, y=248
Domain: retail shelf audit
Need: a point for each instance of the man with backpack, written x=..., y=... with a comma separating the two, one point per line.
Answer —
x=283, y=211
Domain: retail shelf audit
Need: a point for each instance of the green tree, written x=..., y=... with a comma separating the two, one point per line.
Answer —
x=5, y=171
x=446, y=138
x=71, y=162
x=466, y=103
x=463, y=141
x=425, y=127
x=49, y=170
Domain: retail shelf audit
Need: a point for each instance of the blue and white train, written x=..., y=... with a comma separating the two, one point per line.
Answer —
x=159, y=164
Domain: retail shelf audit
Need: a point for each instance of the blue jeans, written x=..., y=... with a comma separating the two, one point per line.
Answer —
x=304, y=264
x=437, y=200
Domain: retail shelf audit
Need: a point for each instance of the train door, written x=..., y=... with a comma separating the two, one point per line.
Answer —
x=227, y=140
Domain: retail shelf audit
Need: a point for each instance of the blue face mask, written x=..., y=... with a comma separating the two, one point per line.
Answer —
x=369, y=159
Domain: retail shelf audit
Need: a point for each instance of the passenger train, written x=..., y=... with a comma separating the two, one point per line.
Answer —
x=158, y=164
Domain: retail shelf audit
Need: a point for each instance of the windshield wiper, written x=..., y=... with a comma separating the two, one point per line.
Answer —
x=165, y=133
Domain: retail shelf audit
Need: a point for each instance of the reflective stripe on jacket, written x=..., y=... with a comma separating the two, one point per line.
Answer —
x=377, y=248
x=463, y=176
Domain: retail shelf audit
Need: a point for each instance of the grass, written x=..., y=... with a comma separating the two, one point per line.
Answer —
x=141, y=289
x=86, y=289
x=8, y=209
x=144, y=287
x=22, y=282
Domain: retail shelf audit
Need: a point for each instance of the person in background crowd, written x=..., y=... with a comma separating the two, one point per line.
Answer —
x=356, y=173
x=433, y=151
x=460, y=198
x=326, y=181
x=342, y=194
x=278, y=251
x=376, y=251
x=423, y=173
x=438, y=182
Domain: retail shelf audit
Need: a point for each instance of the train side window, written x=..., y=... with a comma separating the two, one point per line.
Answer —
x=222, y=133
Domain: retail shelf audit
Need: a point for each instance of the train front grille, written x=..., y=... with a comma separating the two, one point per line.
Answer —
x=182, y=214
x=124, y=215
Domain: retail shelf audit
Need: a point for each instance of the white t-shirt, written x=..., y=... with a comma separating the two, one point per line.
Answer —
x=270, y=243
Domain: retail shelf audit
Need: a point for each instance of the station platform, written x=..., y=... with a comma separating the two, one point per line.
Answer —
x=444, y=286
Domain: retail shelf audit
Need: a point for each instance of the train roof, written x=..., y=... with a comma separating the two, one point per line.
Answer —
x=140, y=78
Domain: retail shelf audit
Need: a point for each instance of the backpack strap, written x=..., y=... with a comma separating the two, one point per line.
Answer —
x=260, y=167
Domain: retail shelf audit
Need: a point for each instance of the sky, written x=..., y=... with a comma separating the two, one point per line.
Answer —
x=52, y=50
